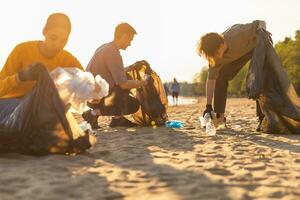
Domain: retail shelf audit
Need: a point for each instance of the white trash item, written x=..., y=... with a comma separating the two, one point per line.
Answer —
x=206, y=122
x=85, y=126
x=76, y=87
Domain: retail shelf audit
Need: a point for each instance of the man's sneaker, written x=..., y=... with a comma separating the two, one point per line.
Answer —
x=121, y=121
x=92, y=119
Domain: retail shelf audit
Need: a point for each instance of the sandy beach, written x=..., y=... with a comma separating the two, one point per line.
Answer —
x=165, y=164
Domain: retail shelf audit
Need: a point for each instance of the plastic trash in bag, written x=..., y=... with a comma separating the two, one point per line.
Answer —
x=40, y=124
x=76, y=87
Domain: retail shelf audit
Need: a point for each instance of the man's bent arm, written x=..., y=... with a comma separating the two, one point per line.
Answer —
x=129, y=84
x=262, y=24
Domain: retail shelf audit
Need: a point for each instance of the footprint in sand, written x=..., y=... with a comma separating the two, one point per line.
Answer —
x=201, y=160
x=297, y=160
x=255, y=166
x=219, y=171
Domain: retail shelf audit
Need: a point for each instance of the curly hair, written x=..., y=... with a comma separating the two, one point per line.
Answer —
x=209, y=43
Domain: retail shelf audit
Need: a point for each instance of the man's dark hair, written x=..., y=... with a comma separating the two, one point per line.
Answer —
x=209, y=44
x=124, y=28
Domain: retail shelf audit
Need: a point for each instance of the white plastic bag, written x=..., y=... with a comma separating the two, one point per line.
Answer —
x=77, y=87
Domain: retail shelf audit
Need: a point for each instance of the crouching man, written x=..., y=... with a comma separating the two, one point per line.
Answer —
x=107, y=62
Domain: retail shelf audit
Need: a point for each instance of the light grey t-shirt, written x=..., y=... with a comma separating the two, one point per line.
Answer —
x=107, y=62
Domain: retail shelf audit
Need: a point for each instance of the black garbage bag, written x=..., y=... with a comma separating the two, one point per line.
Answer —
x=40, y=124
x=152, y=97
x=268, y=82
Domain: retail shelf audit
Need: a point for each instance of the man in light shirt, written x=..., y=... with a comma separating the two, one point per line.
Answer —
x=107, y=62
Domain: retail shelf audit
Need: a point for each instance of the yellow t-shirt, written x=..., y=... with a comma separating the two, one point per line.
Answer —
x=23, y=55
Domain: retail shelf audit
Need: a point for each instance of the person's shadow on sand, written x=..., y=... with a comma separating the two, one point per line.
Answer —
x=151, y=151
x=271, y=140
x=51, y=177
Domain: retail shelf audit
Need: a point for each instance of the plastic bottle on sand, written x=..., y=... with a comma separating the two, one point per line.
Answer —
x=206, y=122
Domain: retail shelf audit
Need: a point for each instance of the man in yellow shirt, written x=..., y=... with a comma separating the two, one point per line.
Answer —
x=18, y=75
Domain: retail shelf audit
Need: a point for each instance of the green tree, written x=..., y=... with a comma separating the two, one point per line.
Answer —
x=199, y=82
x=289, y=53
x=237, y=86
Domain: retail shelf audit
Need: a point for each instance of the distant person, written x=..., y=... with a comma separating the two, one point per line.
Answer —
x=20, y=72
x=107, y=62
x=227, y=53
x=166, y=87
x=175, y=91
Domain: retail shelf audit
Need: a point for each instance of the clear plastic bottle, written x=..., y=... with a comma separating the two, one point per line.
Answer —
x=86, y=127
x=206, y=122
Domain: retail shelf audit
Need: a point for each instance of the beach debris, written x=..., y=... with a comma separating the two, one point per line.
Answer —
x=206, y=122
x=76, y=87
x=174, y=124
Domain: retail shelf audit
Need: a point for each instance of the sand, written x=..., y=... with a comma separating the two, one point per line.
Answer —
x=165, y=164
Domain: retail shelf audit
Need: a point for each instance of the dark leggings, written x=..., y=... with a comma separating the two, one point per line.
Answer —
x=227, y=73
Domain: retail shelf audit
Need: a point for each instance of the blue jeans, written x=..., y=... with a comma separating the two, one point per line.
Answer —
x=7, y=106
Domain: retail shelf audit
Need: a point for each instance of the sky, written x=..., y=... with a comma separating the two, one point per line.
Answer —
x=168, y=30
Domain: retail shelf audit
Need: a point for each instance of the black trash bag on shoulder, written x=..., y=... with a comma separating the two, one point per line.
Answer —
x=40, y=124
x=152, y=97
x=268, y=82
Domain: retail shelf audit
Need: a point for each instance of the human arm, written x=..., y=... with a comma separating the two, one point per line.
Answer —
x=261, y=24
x=29, y=73
x=115, y=65
x=9, y=73
x=7, y=83
x=213, y=73
x=129, y=84
x=210, y=88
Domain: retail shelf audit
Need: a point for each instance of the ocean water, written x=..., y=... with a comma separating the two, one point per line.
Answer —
x=183, y=100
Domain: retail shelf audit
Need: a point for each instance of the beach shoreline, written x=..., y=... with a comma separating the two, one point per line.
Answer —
x=164, y=163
